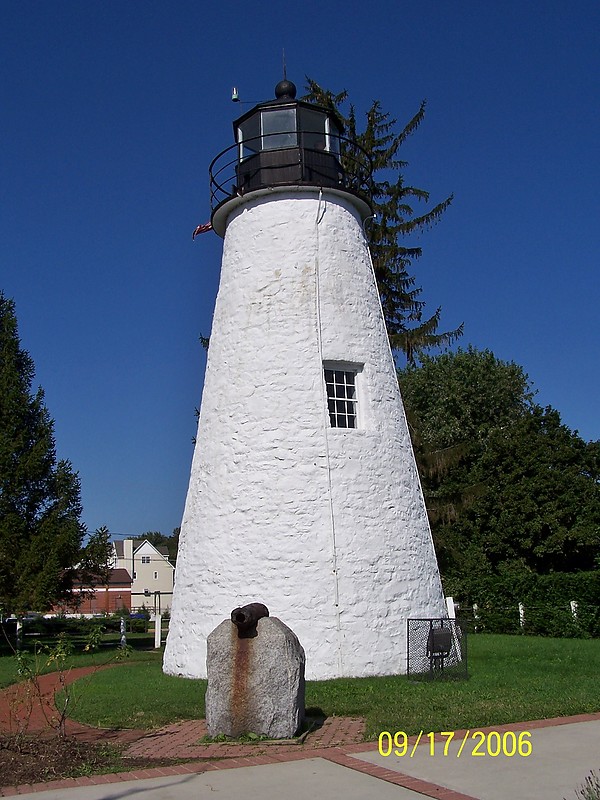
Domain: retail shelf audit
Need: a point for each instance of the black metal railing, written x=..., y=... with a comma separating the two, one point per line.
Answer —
x=232, y=175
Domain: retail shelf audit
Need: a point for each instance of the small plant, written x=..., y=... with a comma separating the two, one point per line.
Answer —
x=93, y=639
x=60, y=652
x=29, y=667
x=58, y=656
x=123, y=651
x=58, y=659
x=590, y=789
x=22, y=703
x=245, y=738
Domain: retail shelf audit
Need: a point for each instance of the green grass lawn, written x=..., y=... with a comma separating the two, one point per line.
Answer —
x=106, y=654
x=512, y=678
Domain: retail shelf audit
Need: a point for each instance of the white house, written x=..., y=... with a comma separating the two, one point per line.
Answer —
x=152, y=573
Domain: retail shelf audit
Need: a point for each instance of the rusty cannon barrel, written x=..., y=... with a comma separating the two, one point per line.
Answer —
x=246, y=617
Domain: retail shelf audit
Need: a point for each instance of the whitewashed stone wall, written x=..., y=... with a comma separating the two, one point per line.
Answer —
x=325, y=526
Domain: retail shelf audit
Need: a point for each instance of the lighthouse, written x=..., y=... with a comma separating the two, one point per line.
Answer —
x=304, y=493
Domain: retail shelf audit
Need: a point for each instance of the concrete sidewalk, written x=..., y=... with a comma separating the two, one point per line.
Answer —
x=295, y=780
x=563, y=752
x=562, y=756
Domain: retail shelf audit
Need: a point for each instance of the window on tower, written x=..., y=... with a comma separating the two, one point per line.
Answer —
x=279, y=128
x=342, y=397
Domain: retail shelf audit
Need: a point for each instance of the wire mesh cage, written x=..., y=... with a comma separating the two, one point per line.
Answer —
x=436, y=649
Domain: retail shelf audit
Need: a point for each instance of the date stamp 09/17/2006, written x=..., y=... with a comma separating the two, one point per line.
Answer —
x=491, y=744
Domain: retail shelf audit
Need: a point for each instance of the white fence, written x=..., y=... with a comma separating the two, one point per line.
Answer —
x=573, y=618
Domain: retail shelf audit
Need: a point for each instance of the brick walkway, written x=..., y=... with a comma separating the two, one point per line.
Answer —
x=182, y=741
x=32, y=710
x=20, y=711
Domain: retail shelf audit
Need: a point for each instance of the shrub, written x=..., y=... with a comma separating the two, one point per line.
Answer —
x=590, y=789
x=546, y=600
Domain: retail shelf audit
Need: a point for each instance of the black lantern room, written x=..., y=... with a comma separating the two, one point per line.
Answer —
x=285, y=142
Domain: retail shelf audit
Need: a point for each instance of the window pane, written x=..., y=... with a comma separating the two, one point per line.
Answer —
x=341, y=397
x=279, y=128
x=312, y=124
x=249, y=136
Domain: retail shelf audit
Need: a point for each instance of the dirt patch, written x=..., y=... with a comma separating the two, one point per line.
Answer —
x=44, y=758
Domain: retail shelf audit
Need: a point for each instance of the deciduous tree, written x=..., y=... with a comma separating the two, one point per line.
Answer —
x=507, y=485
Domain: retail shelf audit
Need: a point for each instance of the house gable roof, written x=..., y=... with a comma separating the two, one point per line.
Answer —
x=137, y=545
x=161, y=550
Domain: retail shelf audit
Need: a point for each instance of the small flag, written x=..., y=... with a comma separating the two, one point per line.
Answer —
x=202, y=229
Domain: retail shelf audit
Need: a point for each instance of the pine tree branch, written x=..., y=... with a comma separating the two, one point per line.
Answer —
x=402, y=308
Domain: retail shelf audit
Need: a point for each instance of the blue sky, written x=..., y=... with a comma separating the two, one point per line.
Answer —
x=111, y=114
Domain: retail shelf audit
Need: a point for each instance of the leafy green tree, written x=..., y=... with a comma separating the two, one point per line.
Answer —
x=541, y=507
x=393, y=202
x=509, y=488
x=40, y=533
x=452, y=403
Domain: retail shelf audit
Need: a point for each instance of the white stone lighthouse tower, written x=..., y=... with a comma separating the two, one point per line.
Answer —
x=303, y=493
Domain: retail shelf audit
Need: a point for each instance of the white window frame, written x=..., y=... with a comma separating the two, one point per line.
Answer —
x=343, y=395
x=146, y=559
x=332, y=138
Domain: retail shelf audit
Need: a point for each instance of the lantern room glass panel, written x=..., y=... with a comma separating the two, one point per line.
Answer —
x=279, y=128
x=312, y=126
x=249, y=137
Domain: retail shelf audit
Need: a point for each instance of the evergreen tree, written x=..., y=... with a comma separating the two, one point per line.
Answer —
x=393, y=204
x=96, y=558
x=40, y=532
